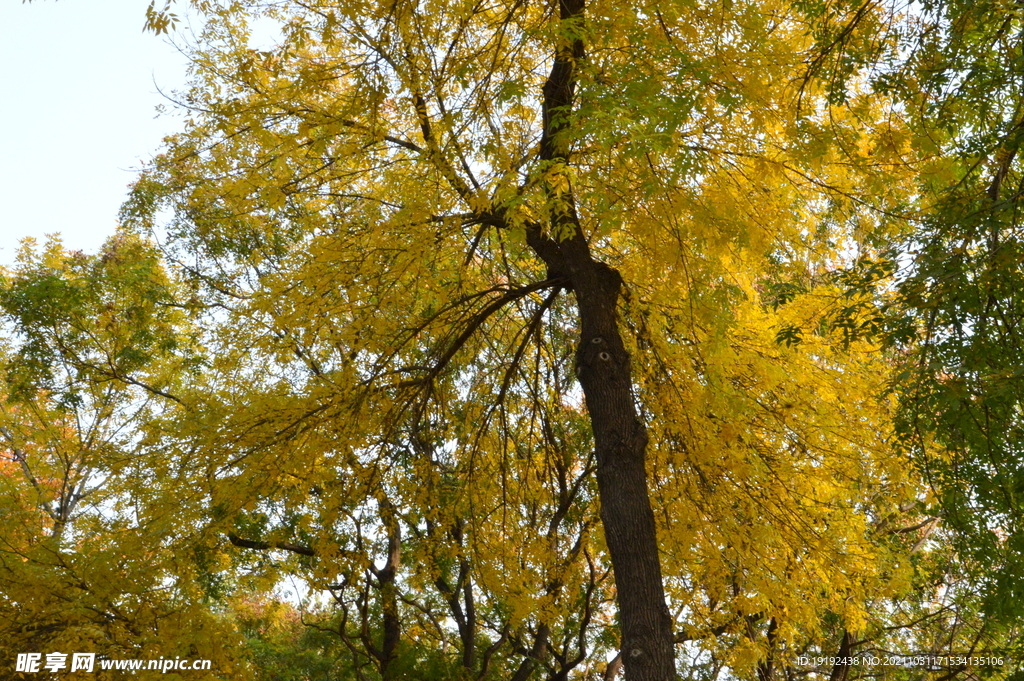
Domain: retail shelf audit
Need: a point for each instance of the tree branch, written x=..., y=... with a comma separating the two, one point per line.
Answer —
x=269, y=546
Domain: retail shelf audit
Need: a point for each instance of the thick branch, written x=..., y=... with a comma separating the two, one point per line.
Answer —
x=270, y=546
x=840, y=669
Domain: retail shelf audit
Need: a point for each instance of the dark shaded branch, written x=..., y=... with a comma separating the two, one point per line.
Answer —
x=489, y=653
x=270, y=546
x=481, y=317
x=841, y=668
x=685, y=636
x=766, y=667
x=534, y=656
x=613, y=668
x=405, y=144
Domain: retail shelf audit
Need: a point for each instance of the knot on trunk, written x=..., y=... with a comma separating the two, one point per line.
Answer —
x=597, y=359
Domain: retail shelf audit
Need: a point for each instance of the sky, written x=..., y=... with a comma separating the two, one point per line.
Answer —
x=79, y=87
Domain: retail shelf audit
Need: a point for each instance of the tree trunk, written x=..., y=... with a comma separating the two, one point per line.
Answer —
x=620, y=439
x=603, y=368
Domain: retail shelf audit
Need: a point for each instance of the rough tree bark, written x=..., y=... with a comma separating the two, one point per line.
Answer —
x=603, y=368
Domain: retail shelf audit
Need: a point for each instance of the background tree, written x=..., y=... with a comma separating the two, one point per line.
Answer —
x=93, y=355
x=949, y=296
x=961, y=392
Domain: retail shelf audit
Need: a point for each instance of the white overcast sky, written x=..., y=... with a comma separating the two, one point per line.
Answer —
x=78, y=93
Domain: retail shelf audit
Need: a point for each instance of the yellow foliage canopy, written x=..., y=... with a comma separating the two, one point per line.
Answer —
x=491, y=301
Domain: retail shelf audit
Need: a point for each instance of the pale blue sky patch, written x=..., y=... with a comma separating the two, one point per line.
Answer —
x=78, y=95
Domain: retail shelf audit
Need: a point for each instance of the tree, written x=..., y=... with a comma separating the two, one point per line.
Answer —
x=961, y=392
x=384, y=215
x=93, y=354
x=948, y=298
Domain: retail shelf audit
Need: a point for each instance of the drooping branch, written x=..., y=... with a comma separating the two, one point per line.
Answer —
x=477, y=320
